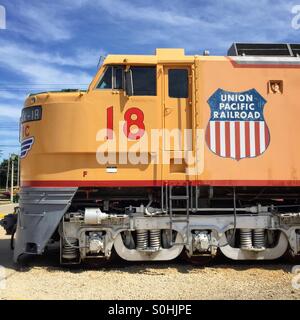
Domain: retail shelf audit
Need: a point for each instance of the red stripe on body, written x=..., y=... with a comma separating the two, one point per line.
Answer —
x=217, y=128
x=208, y=135
x=227, y=138
x=237, y=141
x=267, y=136
x=157, y=183
x=247, y=139
x=257, y=139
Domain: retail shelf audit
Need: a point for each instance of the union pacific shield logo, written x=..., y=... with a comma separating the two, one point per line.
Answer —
x=237, y=128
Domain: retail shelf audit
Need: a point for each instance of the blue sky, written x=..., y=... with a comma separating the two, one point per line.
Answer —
x=51, y=45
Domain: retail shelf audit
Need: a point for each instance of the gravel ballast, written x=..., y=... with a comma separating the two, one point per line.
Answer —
x=43, y=278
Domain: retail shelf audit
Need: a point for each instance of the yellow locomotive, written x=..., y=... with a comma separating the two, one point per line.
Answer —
x=167, y=154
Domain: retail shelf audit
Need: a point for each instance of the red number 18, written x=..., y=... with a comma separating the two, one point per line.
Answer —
x=132, y=117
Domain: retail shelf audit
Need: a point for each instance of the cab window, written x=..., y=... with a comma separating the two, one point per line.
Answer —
x=106, y=80
x=143, y=81
x=178, y=83
x=112, y=78
x=118, y=77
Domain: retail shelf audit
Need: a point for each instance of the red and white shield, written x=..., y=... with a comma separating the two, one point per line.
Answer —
x=237, y=139
x=237, y=128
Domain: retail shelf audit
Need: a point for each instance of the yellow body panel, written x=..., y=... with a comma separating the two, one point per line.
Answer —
x=64, y=151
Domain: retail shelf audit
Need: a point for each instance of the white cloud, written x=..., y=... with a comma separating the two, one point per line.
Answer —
x=190, y=24
x=127, y=10
x=45, y=74
x=9, y=112
x=82, y=58
x=42, y=21
x=196, y=26
x=12, y=95
x=9, y=133
x=44, y=68
x=9, y=142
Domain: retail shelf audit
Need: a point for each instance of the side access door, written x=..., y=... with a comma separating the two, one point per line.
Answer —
x=178, y=112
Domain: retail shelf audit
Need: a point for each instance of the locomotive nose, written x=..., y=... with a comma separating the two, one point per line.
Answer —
x=65, y=95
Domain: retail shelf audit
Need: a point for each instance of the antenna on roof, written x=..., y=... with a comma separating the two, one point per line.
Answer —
x=100, y=62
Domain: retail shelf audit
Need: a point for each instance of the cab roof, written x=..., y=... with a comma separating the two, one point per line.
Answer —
x=162, y=55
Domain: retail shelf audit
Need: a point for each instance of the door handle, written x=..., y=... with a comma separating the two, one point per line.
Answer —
x=168, y=111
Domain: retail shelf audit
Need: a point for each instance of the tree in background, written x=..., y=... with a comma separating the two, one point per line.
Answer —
x=4, y=171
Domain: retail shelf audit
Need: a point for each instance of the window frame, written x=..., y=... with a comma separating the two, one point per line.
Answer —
x=132, y=78
x=187, y=82
x=113, y=78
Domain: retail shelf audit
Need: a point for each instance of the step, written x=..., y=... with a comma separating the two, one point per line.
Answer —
x=178, y=220
x=179, y=198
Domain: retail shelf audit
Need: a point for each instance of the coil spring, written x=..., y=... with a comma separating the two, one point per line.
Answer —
x=246, y=238
x=259, y=238
x=155, y=239
x=69, y=250
x=142, y=239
